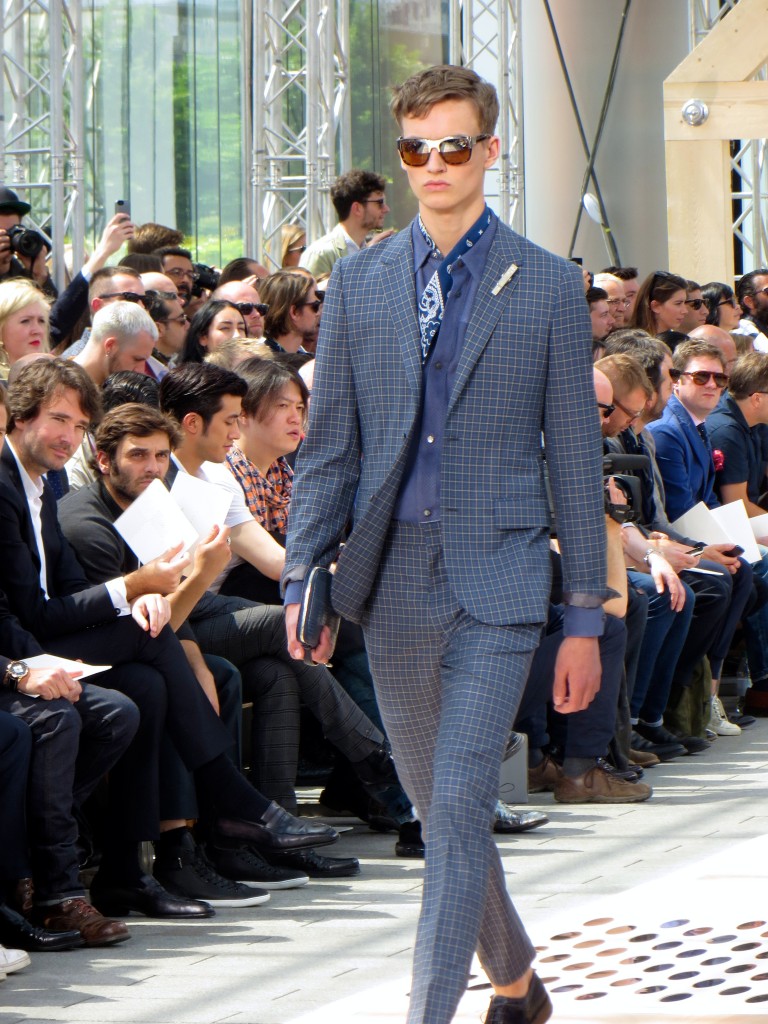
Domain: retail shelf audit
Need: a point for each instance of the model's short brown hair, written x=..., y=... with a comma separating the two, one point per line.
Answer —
x=419, y=93
x=139, y=421
x=40, y=382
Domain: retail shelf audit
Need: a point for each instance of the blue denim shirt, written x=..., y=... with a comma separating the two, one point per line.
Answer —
x=419, y=497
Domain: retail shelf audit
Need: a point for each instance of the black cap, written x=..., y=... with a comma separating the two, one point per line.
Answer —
x=10, y=202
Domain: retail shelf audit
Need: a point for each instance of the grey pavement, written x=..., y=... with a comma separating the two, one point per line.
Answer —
x=294, y=958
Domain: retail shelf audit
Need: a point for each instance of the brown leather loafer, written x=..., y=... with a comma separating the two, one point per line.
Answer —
x=535, y=1008
x=78, y=915
x=545, y=776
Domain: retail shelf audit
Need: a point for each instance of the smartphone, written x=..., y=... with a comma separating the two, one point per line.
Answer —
x=123, y=206
x=696, y=549
x=734, y=552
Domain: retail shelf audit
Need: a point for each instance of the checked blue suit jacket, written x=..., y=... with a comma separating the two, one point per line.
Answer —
x=525, y=368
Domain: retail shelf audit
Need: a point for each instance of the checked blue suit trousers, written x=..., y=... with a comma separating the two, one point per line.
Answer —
x=448, y=688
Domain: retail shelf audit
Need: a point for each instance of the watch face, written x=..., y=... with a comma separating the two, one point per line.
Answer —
x=18, y=669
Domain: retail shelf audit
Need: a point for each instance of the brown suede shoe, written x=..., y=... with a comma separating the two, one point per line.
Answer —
x=644, y=758
x=545, y=776
x=78, y=915
x=600, y=786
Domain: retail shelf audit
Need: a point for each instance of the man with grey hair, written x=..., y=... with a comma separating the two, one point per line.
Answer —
x=122, y=338
x=617, y=301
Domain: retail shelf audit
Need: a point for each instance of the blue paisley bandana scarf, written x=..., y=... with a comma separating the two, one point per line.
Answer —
x=432, y=302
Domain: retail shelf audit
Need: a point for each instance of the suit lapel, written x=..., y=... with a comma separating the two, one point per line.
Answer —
x=488, y=308
x=398, y=285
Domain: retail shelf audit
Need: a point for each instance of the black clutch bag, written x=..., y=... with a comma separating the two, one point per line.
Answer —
x=316, y=611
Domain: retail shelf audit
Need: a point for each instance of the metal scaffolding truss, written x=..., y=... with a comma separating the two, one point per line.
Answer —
x=297, y=129
x=749, y=159
x=42, y=117
x=485, y=36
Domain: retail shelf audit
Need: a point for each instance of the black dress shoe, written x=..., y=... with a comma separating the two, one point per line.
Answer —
x=534, y=1008
x=277, y=830
x=16, y=932
x=147, y=897
x=409, y=843
x=649, y=738
x=693, y=744
x=314, y=864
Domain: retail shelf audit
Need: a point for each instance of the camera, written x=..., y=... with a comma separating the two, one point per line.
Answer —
x=616, y=466
x=207, y=279
x=26, y=241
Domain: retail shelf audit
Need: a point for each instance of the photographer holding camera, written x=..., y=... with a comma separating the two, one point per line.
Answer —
x=23, y=251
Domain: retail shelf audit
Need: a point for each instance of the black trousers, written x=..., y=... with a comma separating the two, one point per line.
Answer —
x=155, y=674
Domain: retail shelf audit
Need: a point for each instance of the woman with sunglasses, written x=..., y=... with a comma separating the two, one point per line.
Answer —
x=722, y=305
x=695, y=310
x=660, y=304
x=292, y=320
x=23, y=322
x=217, y=321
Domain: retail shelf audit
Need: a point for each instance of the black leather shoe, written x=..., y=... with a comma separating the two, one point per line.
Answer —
x=409, y=843
x=506, y=820
x=16, y=932
x=535, y=1008
x=147, y=897
x=314, y=864
x=278, y=830
x=693, y=744
x=648, y=738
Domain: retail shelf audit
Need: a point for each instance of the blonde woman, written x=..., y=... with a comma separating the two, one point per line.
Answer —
x=24, y=311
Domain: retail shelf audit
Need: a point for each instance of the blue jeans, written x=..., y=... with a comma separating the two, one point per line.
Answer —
x=73, y=747
x=15, y=753
x=665, y=633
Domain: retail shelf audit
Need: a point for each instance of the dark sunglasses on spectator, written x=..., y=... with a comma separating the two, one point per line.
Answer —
x=605, y=409
x=314, y=305
x=126, y=296
x=695, y=303
x=246, y=308
x=701, y=377
x=165, y=296
x=454, y=149
x=732, y=301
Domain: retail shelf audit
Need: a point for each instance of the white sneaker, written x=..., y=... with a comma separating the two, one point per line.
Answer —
x=718, y=720
x=12, y=960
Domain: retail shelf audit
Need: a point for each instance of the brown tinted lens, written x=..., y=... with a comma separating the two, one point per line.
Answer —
x=411, y=152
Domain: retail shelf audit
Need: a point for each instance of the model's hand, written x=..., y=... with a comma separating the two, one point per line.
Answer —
x=51, y=683
x=577, y=674
x=321, y=654
x=152, y=612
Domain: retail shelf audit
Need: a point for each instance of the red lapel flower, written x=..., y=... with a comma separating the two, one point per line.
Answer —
x=718, y=458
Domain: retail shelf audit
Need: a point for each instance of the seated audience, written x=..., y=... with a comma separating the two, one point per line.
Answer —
x=218, y=320
x=24, y=312
x=292, y=320
x=660, y=304
x=110, y=284
x=616, y=299
x=723, y=308
x=122, y=338
x=750, y=291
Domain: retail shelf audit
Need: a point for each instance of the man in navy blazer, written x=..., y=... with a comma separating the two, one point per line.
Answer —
x=443, y=354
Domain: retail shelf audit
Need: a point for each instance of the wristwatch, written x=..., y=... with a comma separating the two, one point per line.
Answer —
x=16, y=673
